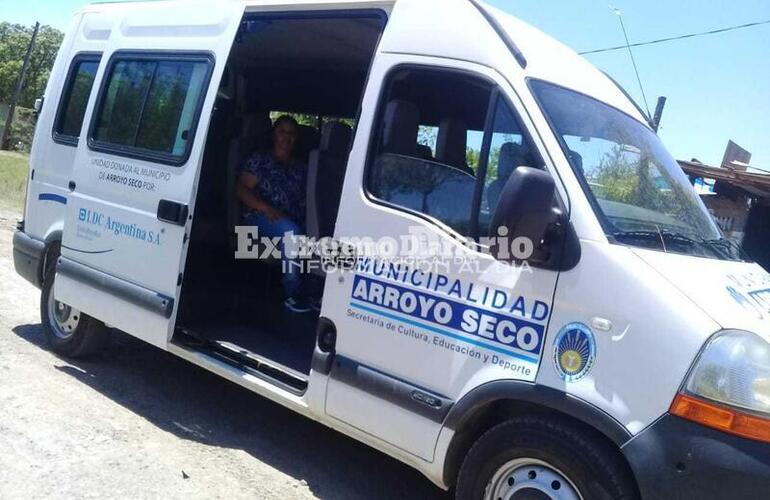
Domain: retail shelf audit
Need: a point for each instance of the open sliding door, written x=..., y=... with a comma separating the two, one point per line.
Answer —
x=134, y=180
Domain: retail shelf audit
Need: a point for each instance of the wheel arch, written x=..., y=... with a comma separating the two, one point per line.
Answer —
x=494, y=402
x=52, y=249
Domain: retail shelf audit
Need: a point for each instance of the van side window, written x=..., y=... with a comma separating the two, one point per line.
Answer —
x=74, y=99
x=436, y=128
x=149, y=106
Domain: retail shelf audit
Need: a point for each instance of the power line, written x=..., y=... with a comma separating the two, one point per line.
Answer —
x=760, y=169
x=680, y=37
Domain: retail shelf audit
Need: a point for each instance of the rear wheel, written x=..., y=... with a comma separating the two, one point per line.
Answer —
x=532, y=458
x=68, y=331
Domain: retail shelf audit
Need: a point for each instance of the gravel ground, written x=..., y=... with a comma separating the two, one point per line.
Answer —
x=137, y=422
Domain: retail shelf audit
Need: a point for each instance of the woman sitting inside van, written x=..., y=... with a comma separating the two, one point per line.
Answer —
x=271, y=188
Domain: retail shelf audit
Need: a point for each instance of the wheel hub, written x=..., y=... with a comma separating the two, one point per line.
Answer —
x=530, y=479
x=64, y=319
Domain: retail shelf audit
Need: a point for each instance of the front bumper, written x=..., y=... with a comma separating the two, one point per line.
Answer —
x=28, y=255
x=678, y=459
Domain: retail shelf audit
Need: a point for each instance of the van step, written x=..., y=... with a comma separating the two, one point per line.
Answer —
x=282, y=376
x=261, y=360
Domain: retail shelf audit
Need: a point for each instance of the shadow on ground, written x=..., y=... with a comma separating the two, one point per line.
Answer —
x=194, y=404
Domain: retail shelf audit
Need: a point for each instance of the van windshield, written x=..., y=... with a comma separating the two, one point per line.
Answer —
x=639, y=192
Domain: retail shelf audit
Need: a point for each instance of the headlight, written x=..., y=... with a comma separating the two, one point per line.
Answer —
x=728, y=387
x=734, y=369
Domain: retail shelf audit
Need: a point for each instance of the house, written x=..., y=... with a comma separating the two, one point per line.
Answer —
x=739, y=200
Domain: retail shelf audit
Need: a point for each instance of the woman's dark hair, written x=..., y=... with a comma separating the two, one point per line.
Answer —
x=285, y=119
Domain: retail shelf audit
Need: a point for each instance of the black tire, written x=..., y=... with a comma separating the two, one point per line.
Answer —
x=592, y=466
x=86, y=336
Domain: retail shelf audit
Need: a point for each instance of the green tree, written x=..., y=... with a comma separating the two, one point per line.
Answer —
x=14, y=39
x=634, y=179
x=302, y=118
x=472, y=158
x=616, y=178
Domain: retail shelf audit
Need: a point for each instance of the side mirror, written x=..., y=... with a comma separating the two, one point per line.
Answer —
x=527, y=209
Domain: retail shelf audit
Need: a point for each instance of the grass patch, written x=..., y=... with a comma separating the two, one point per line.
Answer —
x=13, y=180
x=23, y=128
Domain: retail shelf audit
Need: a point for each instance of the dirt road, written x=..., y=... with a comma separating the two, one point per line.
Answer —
x=140, y=423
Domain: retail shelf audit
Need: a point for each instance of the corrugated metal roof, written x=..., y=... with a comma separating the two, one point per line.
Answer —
x=757, y=184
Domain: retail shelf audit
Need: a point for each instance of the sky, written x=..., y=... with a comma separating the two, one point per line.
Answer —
x=718, y=86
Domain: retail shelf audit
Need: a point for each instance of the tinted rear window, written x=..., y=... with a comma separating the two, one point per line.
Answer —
x=150, y=106
x=72, y=107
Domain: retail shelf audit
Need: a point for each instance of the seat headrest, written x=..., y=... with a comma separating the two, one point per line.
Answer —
x=577, y=160
x=335, y=138
x=512, y=155
x=308, y=139
x=255, y=125
x=424, y=152
x=451, y=142
x=308, y=136
x=402, y=120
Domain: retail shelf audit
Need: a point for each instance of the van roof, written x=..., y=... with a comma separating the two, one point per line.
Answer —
x=250, y=2
x=547, y=59
x=551, y=60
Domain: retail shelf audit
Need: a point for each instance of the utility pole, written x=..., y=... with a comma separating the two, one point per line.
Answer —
x=6, y=138
x=658, y=112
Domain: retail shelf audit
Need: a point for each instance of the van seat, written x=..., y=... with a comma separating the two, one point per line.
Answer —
x=254, y=135
x=401, y=123
x=256, y=131
x=325, y=177
x=512, y=155
x=424, y=152
x=451, y=144
x=308, y=139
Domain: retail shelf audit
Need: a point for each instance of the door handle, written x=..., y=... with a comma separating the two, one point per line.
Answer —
x=173, y=212
x=326, y=340
x=71, y=185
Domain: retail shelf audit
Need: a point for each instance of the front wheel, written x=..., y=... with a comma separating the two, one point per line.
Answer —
x=68, y=331
x=536, y=458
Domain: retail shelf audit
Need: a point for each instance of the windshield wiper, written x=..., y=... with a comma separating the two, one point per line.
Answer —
x=660, y=235
x=654, y=236
x=721, y=248
x=665, y=239
x=730, y=249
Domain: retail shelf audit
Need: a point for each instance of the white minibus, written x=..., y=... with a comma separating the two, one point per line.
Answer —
x=514, y=287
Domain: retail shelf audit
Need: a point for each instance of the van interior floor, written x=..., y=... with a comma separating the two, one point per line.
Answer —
x=287, y=349
x=248, y=315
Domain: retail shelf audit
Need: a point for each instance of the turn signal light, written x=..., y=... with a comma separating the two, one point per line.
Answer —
x=721, y=418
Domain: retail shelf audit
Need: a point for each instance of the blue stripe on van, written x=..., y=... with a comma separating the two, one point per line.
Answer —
x=87, y=251
x=52, y=197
